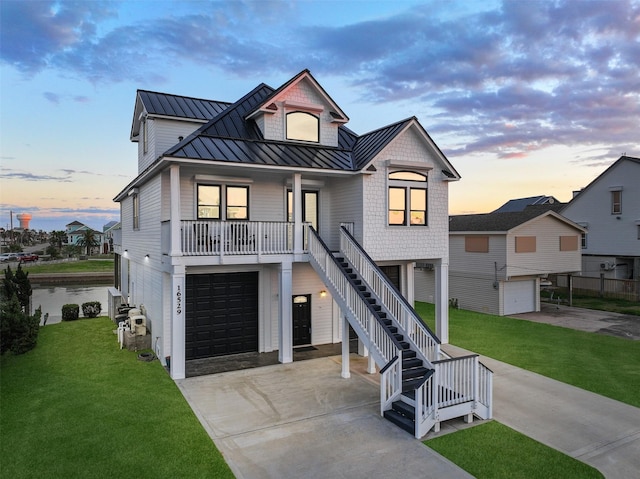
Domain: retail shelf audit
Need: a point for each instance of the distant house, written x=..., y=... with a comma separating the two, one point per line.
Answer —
x=108, y=234
x=267, y=225
x=609, y=209
x=497, y=260
x=75, y=232
x=520, y=204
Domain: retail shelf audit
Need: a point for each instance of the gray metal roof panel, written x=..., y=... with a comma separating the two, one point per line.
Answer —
x=369, y=145
x=180, y=106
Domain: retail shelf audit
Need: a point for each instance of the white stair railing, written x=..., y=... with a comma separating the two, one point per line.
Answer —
x=414, y=330
x=359, y=313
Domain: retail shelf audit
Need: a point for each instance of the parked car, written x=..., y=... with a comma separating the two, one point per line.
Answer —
x=27, y=257
x=4, y=257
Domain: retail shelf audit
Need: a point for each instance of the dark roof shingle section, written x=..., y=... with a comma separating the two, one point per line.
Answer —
x=181, y=106
x=499, y=221
x=520, y=204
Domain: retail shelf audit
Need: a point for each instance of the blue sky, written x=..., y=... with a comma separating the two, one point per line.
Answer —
x=523, y=97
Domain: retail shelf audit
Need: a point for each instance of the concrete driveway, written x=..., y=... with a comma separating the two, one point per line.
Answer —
x=304, y=420
x=591, y=320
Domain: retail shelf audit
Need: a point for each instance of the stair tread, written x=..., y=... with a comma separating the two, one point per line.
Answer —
x=405, y=409
x=400, y=420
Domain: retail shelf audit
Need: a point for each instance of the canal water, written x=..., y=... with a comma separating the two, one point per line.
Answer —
x=53, y=297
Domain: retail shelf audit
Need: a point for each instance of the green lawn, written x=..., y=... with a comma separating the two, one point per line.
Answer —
x=602, y=364
x=493, y=450
x=80, y=266
x=77, y=406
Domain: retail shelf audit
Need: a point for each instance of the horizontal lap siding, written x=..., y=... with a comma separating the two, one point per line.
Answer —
x=547, y=258
x=474, y=292
x=425, y=285
x=477, y=263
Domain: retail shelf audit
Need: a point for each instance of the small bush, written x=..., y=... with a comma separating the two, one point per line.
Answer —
x=91, y=309
x=70, y=312
x=18, y=330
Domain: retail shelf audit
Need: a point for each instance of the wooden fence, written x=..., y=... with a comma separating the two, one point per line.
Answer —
x=604, y=287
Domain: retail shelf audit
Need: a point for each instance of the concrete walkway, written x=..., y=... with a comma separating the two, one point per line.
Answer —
x=303, y=420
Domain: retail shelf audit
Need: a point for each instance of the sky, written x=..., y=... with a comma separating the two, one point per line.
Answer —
x=524, y=98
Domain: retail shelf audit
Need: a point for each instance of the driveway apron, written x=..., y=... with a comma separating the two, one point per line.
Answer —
x=304, y=420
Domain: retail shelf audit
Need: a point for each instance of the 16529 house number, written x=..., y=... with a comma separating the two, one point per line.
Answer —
x=178, y=301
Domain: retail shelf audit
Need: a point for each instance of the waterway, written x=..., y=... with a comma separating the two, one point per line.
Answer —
x=53, y=297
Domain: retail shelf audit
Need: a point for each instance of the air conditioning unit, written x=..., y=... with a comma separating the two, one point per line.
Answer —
x=138, y=324
x=425, y=266
x=607, y=266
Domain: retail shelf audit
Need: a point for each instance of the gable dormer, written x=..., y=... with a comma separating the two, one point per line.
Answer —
x=300, y=111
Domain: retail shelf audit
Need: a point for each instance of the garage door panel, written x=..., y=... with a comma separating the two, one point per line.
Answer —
x=519, y=297
x=222, y=318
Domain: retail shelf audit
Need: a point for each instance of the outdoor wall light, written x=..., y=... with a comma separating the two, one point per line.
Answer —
x=146, y=256
x=323, y=293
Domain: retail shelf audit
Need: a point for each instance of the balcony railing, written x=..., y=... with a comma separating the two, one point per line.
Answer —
x=216, y=238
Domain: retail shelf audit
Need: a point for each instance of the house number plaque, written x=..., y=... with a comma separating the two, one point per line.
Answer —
x=178, y=301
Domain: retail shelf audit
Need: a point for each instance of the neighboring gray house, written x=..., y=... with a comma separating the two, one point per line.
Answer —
x=498, y=259
x=609, y=209
x=265, y=225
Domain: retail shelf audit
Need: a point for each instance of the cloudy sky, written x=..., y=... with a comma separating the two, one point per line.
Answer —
x=524, y=97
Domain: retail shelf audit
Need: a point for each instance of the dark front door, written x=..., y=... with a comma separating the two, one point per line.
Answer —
x=221, y=314
x=301, y=319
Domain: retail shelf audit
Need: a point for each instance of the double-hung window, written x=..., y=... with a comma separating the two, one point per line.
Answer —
x=223, y=202
x=616, y=202
x=136, y=211
x=407, y=198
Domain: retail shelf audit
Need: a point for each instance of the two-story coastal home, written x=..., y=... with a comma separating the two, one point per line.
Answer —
x=609, y=209
x=266, y=224
x=498, y=259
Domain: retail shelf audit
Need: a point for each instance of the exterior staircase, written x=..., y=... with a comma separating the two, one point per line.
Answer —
x=420, y=385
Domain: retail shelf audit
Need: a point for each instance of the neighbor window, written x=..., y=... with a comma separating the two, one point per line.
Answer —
x=476, y=244
x=616, y=202
x=407, y=198
x=136, y=211
x=525, y=244
x=568, y=243
x=303, y=126
x=583, y=241
x=212, y=202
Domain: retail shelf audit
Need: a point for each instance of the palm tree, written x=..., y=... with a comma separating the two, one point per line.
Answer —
x=57, y=238
x=88, y=240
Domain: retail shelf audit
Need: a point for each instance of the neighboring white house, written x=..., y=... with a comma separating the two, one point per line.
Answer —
x=218, y=229
x=609, y=209
x=498, y=259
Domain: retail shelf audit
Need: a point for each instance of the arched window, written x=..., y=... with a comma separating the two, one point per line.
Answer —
x=303, y=126
x=407, y=198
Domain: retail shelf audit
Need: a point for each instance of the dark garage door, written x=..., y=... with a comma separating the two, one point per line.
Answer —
x=221, y=314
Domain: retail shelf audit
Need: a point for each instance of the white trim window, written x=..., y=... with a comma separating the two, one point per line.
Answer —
x=136, y=211
x=407, y=198
x=303, y=126
x=228, y=202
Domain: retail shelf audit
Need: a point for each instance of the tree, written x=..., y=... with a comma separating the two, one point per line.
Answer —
x=88, y=240
x=18, y=329
x=57, y=238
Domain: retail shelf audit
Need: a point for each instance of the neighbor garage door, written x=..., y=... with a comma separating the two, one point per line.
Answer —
x=221, y=314
x=519, y=297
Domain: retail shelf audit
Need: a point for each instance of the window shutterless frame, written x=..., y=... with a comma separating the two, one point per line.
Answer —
x=407, y=198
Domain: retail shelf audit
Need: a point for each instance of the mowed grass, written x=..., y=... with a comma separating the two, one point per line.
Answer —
x=602, y=364
x=493, y=450
x=80, y=266
x=77, y=406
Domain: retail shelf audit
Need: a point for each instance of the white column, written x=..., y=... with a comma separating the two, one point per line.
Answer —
x=174, y=211
x=178, y=355
x=297, y=213
x=442, y=301
x=345, y=349
x=285, y=322
x=410, y=292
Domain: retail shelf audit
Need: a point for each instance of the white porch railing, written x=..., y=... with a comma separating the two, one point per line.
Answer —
x=459, y=387
x=414, y=330
x=203, y=237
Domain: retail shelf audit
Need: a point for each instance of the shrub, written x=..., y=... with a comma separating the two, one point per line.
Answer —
x=18, y=330
x=70, y=312
x=91, y=309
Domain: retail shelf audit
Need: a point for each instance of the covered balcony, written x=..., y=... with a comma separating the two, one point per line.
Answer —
x=233, y=238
